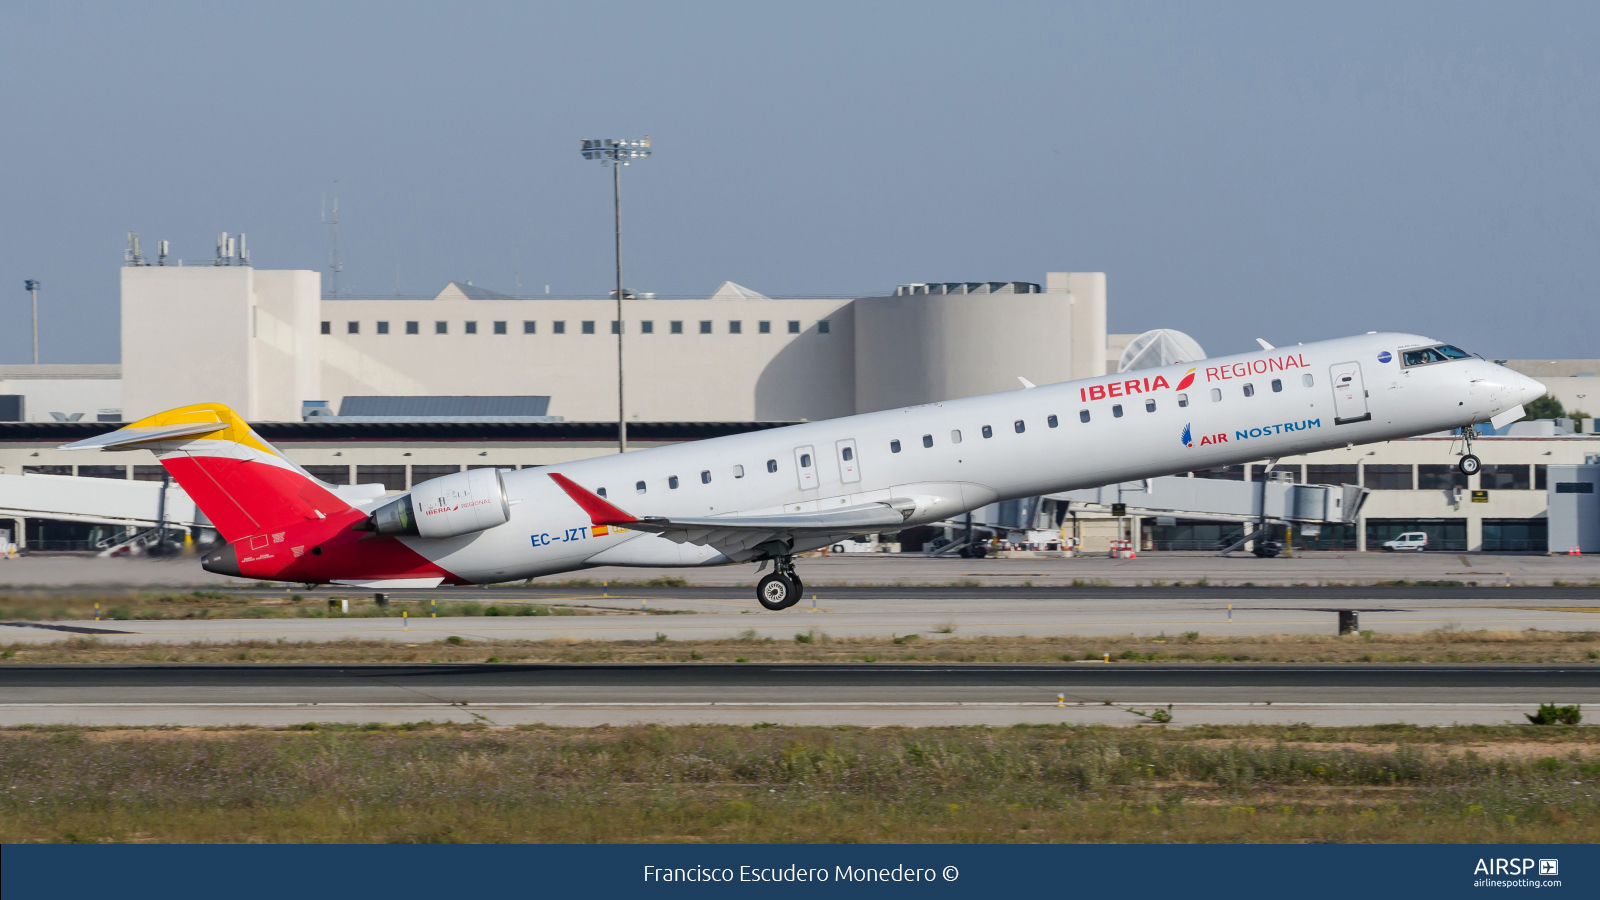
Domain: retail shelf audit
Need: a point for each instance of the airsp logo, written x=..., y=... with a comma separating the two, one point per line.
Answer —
x=1549, y=867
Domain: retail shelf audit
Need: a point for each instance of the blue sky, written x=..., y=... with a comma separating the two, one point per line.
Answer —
x=1289, y=171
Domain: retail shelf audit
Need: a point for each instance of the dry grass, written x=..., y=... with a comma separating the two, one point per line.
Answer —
x=47, y=607
x=437, y=783
x=816, y=647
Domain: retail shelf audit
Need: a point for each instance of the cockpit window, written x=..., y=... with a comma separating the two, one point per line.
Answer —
x=1430, y=355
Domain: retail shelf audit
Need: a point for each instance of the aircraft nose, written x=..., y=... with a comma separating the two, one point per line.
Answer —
x=1528, y=389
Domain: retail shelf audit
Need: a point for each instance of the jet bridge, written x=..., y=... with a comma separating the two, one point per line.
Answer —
x=1306, y=507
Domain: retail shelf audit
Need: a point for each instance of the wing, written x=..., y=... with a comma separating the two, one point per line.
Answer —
x=739, y=537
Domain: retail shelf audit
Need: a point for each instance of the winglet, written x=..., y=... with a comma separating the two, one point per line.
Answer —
x=1026, y=384
x=1265, y=345
x=600, y=512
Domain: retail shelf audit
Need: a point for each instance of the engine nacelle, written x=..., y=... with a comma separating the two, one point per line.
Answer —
x=456, y=504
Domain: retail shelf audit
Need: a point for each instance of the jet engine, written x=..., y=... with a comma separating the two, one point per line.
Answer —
x=456, y=504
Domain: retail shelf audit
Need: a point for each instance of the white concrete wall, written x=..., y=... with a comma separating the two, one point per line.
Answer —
x=186, y=338
x=285, y=341
x=691, y=376
x=68, y=389
x=922, y=348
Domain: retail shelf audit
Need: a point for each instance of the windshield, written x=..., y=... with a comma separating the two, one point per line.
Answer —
x=1428, y=355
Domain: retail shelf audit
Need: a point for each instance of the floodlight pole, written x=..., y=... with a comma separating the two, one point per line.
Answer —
x=33, y=289
x=616, y=208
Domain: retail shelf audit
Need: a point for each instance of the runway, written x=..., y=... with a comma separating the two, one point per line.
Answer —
x=865, y=694
x=933, y=612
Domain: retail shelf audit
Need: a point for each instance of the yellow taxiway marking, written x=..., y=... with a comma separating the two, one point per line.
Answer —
x=1566, y=609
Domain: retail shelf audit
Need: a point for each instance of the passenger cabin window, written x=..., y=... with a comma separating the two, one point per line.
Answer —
x=1249, y=390
x=1149, y=406
x=1083, y=415
x=601, y=492
x=1277, y=385
x=772, y=465
x=1019, y=426
x=848, y=454
x=927, y=440
x=1216, y=395
x=639, y=486
x=738, y=471
x=672, y=482
x=955, y=436
x=1052, y=421
x=705, y=477
x=1116, y=411
x=988, y=432
x=894, y=446
x=1307, y=380
x=1183, y=400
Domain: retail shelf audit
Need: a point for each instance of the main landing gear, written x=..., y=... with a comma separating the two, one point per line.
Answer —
x=782, y=588
x=1469, y=464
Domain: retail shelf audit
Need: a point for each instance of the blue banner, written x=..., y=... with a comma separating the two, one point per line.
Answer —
x=67, y=872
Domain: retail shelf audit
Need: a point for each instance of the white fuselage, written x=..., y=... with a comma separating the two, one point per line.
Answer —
x=1328, y=394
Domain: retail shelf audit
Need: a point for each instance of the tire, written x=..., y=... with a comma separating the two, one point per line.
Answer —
x=964, y=553
x=775, y=593
x=979, y=551
x=1469, y=464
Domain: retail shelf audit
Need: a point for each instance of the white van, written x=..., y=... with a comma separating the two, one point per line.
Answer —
x=1411, y=540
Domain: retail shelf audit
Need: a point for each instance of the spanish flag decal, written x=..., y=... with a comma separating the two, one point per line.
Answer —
x=602, y=530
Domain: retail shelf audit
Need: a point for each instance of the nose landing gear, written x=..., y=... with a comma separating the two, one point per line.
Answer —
x=781, y=589
x=1469, y=464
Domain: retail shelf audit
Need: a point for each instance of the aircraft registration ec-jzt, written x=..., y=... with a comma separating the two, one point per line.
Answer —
x=768, y=495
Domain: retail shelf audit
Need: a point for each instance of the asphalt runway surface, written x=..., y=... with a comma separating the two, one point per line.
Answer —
x=936, y=613
x=866, y=694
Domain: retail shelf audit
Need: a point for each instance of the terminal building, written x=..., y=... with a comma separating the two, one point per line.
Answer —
x=396, y=391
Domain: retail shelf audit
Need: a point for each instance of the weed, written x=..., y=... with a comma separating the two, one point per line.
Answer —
x=805, y=638
x=493, y=659
x=1551, y=714
x=661, y=638
x=741, y=659
x=1191, y=636
x=667, y=581
x=907, y=638
x=454, y=639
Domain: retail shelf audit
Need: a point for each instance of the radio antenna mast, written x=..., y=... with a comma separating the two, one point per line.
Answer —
x=334, y=265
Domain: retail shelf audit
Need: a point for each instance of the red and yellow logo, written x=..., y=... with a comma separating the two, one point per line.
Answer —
x=1188, y=379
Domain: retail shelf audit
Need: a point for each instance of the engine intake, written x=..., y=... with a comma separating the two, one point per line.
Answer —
x=456, y=504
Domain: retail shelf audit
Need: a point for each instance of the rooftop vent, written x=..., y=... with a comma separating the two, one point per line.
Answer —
x=968, y=287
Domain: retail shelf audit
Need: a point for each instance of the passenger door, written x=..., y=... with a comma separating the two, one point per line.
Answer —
x=805, y=464
x=849, y=465
x=1349, y=394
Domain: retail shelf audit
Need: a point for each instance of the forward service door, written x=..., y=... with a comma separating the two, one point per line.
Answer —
x=849, y=464
x=805, y=464
x=1349, y=394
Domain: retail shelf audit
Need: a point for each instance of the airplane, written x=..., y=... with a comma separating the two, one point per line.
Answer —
x=769, y=495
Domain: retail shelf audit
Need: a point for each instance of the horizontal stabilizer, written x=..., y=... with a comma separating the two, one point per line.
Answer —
x=133, y=438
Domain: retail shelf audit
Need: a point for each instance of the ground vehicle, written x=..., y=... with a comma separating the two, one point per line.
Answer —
x=1411, y=540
